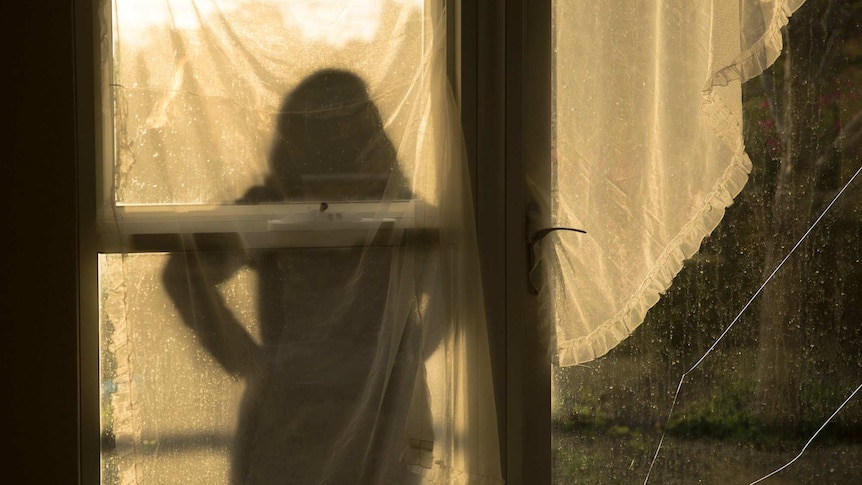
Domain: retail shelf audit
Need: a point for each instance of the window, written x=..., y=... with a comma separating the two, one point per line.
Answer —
x=735, y=368
x=289, y=286
x=789, y=359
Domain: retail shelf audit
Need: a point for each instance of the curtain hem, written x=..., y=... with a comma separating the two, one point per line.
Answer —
x=748, y=64
x=684, y=245
x=757, y=58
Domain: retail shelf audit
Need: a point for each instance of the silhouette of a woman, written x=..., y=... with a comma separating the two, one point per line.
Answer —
x=325, y=389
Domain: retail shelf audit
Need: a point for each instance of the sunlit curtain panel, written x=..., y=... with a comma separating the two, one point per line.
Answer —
x=746, y=368
x=648, y=152
x=289, y=281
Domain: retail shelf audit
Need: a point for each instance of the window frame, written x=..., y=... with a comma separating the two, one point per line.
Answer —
x=500, y=45
x=40, y=303
x=506, y=117
x=90, y=115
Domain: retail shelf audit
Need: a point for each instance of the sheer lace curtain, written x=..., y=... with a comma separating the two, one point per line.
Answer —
x=648, y=153
x=293, y=292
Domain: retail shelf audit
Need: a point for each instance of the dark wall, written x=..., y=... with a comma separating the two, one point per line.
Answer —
x=38, y=313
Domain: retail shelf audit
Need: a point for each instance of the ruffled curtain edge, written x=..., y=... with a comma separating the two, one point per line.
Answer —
x=747, y=65
x=758, y=57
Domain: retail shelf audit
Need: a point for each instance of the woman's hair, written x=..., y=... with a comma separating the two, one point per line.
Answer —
x=330, y=145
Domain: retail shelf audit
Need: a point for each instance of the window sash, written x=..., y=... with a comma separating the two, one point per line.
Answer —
x=120, y=225
x=490, y=36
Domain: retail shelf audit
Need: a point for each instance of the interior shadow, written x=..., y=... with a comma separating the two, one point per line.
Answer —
x=333, y=379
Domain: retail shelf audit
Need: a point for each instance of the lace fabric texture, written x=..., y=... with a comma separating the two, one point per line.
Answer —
x=322, y=322
x=648, y=153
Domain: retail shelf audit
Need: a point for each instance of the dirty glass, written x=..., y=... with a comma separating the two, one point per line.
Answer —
x=736, y=369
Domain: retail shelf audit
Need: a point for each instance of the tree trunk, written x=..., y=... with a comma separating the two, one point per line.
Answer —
x=783, y=301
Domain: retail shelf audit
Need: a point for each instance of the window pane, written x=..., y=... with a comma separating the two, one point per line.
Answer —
x=251, y=366
x=168, y=408
x=197, y=87
x=794, y=355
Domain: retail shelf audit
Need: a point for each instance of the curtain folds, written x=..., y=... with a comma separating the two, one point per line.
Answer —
x=648, y=153
x=315, y=315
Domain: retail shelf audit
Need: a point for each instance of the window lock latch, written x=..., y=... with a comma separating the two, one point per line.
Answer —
x=533, y=238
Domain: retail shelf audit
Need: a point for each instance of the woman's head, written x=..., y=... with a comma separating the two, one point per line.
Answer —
x=330, y=143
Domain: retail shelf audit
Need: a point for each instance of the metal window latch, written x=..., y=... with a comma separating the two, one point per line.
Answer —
x=534, y=238
x=541, y=233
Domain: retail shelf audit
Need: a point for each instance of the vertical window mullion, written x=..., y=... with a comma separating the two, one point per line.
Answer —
x=529, y=46
x=88, y=152
x=505, y=100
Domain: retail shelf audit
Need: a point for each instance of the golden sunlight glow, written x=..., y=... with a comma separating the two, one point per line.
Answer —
x=323, y=20
x=335, y=22
x=133, y=19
